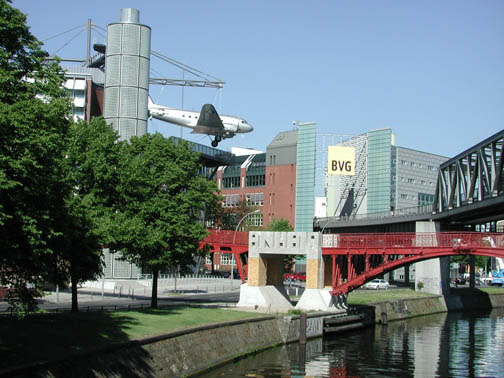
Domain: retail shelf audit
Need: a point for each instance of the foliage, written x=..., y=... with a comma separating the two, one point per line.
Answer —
x=34, y=125
x=420, y=285
x=479, y=261
x=281, y=224
x=22, y=301
x=227, y=218
x=91, y=161
x=158, y=217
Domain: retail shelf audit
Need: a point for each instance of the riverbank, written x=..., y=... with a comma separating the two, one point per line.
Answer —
x=194, y=350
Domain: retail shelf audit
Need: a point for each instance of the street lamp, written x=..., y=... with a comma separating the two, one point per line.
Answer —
x=234, y=237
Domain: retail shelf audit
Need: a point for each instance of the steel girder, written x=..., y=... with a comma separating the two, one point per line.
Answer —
x=474, y=175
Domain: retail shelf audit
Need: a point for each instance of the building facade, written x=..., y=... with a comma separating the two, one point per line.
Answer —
x=386, y=177
x=84, y=86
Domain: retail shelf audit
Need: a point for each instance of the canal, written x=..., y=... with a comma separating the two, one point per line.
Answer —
x=444, y=345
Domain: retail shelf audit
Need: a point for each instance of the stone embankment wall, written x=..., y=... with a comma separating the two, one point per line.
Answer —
x=191, y=351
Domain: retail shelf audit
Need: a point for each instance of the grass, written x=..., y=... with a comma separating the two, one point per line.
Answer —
x=363, y=297
x=47, y=336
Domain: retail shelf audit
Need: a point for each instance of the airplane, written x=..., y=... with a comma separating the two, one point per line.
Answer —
x=207, y=121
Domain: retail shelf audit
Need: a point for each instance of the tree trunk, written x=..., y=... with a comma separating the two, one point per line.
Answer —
x=75, y=305
x=155, y=274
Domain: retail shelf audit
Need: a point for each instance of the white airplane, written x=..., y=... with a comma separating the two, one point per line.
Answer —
x=208, y=121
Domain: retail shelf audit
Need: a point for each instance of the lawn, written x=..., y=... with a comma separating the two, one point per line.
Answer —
x=363, y=296
x=47, y=336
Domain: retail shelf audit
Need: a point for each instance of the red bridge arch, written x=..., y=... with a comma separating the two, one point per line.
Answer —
x=358, y=258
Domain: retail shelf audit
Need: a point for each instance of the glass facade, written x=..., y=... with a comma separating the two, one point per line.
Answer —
x=305, y=177
x=379, y=170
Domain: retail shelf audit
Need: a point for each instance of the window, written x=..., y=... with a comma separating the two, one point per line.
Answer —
x=411, y=181
x=231, y=182
x=230, y=200
x=255, y=199
x=425, y=199
x=227, y=259
x=255, y=220
x=404, y=196
x=208, y=260
x=255, y=180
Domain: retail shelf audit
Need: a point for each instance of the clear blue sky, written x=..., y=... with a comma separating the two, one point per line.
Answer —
x=431, y=70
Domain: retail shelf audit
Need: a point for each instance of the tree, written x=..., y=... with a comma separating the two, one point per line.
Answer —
x=91, y=162
x=281, y=224
x=34, y=125
x=161, y=200
x=227, y=218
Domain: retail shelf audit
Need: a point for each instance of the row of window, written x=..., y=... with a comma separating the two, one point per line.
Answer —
x=414, y=181
x=255, y=199
x=418, y=165
x=230, y=182
x=225, y=259
x=231, y=200
x=252, y=199
x=234, y=182
x=423, y=198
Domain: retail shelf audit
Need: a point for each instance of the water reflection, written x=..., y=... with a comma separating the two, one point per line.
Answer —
x=453, y=345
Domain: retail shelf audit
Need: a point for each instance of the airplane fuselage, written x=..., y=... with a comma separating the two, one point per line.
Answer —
x=189, y=119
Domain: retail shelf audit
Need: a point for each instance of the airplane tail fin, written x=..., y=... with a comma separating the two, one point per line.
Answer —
x=150, y=102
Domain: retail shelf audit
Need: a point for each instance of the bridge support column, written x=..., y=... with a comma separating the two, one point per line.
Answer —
x=265, y=290
x=472, y=271
x=432, y=276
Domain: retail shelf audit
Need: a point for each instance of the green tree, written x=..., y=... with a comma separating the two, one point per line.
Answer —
x=479, y=261
x=91, y=162
x=34, y=124
x=281, y=224
x=162, y=197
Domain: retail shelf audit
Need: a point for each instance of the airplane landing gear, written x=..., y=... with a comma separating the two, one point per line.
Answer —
x=216, y=141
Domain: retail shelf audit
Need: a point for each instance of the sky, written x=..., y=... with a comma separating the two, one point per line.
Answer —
x=432, y=71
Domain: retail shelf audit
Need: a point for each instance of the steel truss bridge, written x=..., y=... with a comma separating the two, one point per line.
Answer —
x=474, y=175
x=357, y=258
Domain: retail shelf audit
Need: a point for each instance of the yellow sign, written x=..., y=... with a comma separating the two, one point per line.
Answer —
x=341, y=160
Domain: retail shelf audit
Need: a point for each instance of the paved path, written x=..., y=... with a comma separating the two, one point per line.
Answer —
x=135, y=293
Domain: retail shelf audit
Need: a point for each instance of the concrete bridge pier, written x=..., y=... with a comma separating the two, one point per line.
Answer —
x=432, y=276
x=265, y=290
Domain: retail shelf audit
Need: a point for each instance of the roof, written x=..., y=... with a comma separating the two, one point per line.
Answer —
x=285, y=138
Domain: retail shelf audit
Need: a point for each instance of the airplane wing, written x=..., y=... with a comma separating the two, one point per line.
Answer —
x=209, y=121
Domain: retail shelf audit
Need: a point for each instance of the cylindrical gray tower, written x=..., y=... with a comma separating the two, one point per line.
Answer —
x=127, y=64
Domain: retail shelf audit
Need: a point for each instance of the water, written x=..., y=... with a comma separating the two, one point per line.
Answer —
x=443, y=345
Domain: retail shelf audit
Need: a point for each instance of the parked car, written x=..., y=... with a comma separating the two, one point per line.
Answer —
x=295, y=276
x=376, y=284
x=299, y=276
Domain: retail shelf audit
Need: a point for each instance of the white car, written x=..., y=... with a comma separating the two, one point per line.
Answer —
x=377, y=284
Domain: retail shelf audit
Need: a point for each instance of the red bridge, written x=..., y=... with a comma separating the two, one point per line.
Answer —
x=358, y=258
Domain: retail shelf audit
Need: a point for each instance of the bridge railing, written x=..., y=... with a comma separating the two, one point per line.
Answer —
x=227, y=237
x=414, y=240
